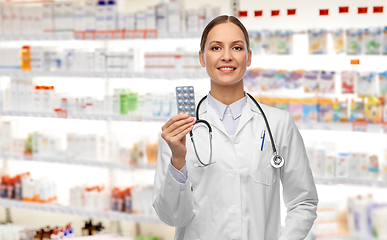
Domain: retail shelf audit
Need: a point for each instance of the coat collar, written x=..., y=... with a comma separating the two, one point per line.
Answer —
x=209, y=114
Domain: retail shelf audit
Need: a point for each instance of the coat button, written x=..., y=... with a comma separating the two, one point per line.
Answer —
x=233, y=172
x=233, y=208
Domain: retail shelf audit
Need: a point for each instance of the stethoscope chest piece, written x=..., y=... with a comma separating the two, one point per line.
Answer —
x=277, y=161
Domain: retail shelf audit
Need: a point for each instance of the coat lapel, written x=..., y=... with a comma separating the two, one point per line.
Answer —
x=247, y=114
x=207, y=113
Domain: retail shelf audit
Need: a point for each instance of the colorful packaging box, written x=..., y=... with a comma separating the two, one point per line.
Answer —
x=382, y=83
x=310, y=110
x=325, y=111
x=342, y=165
x=311, y=82
x=327, y=82
x=317, y=41
x=293, y=79
x=354, y=41
x=373, y=40
x=357, y=110
x=384, y=50
x=268, y=79
x=366, y=84
x=296, y=109
x=251, y=79
x=340, y=111
x=284, y=41
x=373, y=110
x=338, y=40
x=279, y=79
x=255, y=42
x=348, y=79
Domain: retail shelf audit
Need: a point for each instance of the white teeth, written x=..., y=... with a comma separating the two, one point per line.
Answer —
x=226, y=69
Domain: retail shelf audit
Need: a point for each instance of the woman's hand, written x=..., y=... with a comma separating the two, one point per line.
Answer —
x=173, y=132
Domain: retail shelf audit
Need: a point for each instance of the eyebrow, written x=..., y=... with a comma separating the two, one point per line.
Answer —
x=231, y=42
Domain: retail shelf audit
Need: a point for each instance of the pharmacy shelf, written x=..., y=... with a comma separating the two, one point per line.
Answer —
x=373, y=128
x=67, y=36
x=350, y=181
x=82, y=116
x=94, y=163
x=168, y=75
x=111, y=215
x=348, y=238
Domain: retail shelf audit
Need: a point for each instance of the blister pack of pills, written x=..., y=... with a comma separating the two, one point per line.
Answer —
x=185, y=99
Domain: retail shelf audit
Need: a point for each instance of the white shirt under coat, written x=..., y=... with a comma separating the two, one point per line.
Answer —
x=238, y=197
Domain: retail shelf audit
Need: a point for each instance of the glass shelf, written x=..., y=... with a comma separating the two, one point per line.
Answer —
x=111, y=215
x=350, y=181
x=110, y=36
x=87, y=162
x=172, y=75
x=83, y=116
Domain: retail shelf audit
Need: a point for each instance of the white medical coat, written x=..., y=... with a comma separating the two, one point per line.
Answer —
x=238, y=197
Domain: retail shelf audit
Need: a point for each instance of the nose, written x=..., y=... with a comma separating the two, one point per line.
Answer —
x=227, y=55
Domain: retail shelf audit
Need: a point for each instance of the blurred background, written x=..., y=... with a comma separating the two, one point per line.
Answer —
x=86, y=85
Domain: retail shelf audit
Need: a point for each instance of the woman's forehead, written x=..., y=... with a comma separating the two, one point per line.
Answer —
x=225, y=32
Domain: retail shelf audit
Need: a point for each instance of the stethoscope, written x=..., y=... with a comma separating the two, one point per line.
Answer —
x=276, y=161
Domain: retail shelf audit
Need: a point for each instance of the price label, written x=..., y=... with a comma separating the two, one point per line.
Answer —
x=118, y=35
x=78, y=35
x=129, y=34
x=151, y=34
x=100, y=36
x=359, y=126
x=139, y=34
x=89, y=35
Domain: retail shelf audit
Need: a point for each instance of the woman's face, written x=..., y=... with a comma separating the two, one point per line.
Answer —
x=225, y=54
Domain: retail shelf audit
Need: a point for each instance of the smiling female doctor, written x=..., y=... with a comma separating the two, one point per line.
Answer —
x=238, y=195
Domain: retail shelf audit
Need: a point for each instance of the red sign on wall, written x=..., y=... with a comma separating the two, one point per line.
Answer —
x=343, y=9
x=362, y=10
x=258, y=13
x=275, y=12
x=291, y=11
x=378, y=9
x=242, y=13
x=324, y=12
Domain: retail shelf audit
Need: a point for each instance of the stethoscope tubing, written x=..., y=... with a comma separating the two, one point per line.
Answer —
x=210, y=132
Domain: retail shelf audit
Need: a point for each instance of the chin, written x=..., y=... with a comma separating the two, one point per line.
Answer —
x=226, y=83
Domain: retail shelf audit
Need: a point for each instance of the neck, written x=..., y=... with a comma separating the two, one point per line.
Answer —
x=227, y=94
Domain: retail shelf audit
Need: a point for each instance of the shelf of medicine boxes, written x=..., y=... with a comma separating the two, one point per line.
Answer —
x=101, y=36
x=111, y=215
x=64, y=160
x=60, y=115
x=350, y=181
x=172, y=75
x=375, y=128
x=342, y=126
x=348, y=238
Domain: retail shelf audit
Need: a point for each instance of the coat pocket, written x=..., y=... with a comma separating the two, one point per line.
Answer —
x=262, y=172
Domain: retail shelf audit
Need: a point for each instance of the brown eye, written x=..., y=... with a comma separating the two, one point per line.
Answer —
x=237, y=48
x=216, y=48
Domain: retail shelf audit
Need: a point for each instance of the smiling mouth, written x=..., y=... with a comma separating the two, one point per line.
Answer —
x=227, y=69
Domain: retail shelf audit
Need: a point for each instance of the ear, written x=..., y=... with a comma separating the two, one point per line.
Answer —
x=201, y=59
x=249, y=58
